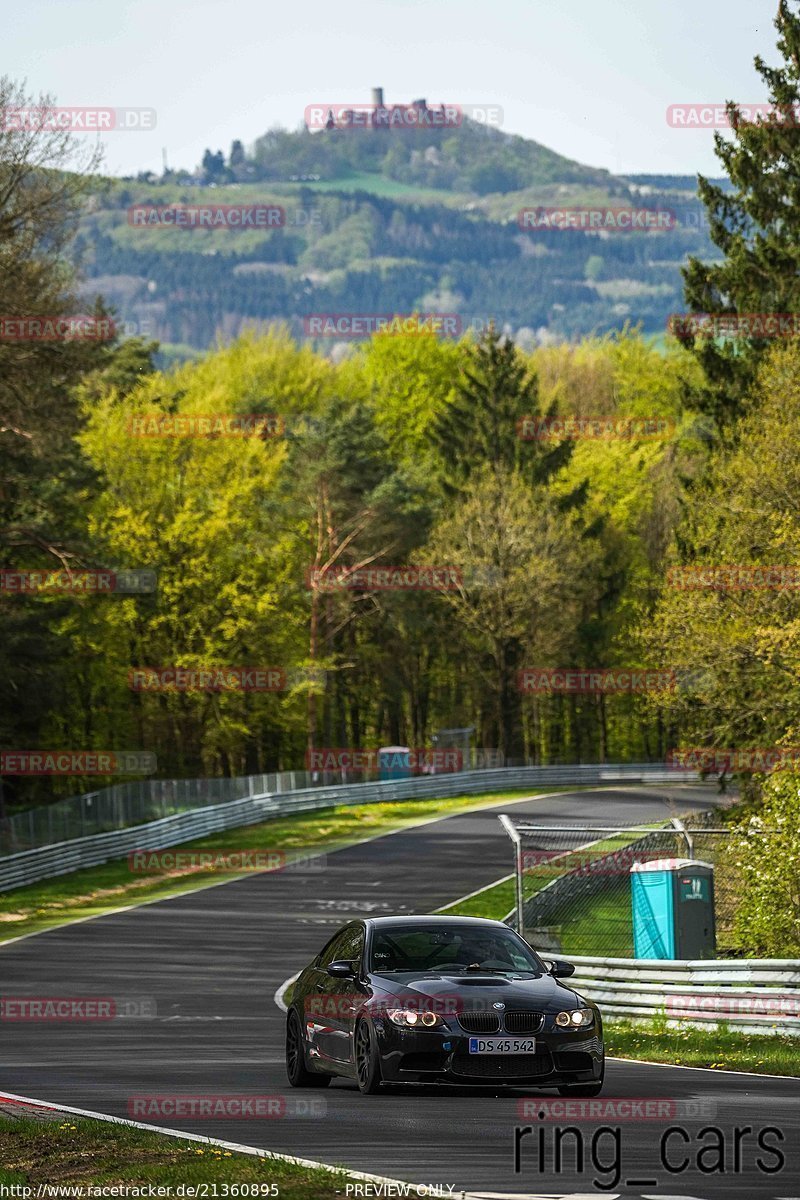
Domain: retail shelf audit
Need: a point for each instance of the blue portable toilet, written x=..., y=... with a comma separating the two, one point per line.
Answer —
x=394, y=762
x=673, y=909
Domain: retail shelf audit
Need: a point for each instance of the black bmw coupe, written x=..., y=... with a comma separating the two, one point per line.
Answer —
x=440, y=999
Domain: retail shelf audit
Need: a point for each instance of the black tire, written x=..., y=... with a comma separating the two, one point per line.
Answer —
x=297, y=1072
x=584, y=1089
x=368, y=1066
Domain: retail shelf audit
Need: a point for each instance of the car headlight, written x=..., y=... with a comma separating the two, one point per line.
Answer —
x=576, y=1018
x=409, y=1018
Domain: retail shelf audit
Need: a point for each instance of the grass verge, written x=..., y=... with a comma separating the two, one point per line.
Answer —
x=78, y=1151
x=499, y=899
x=495, y=901
x=98, y=890
x=723, y=1048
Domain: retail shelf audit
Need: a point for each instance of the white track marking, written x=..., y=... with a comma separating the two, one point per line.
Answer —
x=645, y=1062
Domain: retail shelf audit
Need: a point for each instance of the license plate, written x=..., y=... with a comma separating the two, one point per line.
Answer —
x=502, y=1045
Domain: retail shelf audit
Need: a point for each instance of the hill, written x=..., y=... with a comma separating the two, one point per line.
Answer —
x=387, y=221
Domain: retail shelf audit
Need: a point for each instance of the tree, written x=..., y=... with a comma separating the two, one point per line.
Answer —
x=739, y=643
x=764, y=856
x=523, y=567
x=357, y=508
x=203, y=512
x=213, y=167
x=756, y=226
x=44, y=179
x=481, y=424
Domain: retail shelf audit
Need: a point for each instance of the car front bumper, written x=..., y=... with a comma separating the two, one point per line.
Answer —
x=435, y=1055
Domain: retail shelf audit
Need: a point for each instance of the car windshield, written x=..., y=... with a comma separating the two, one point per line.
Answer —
x=452, y=948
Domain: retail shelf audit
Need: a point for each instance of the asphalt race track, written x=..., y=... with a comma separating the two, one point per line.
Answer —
x=213, y=960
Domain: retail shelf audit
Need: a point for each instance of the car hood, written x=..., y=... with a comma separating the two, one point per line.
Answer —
x=479, y=991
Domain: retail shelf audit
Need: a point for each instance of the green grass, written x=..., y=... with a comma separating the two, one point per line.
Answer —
x=495, y=901
x=379, y=185
x=722, y=1048
x=97, y=890
x=607, y=913
x=498, y=899
x=77, y=1151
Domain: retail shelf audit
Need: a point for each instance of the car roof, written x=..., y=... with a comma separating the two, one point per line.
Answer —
x=432, y=918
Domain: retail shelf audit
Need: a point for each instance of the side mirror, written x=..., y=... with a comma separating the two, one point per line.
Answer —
x=342, y=968
x=561, y=969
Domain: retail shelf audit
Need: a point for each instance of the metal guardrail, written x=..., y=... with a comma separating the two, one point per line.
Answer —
x=703, y=992
x=59, y=858
x=136, y=802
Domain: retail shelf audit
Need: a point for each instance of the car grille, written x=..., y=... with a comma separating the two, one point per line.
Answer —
x=479, y=1022
x=524, y=1022
x=502, y=1066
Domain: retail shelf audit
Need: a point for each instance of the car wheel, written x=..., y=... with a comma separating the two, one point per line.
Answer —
x=368, y=1067
x=296, y=1069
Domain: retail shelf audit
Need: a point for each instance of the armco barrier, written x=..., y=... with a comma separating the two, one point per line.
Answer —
x=753, y=995
x=43, y=862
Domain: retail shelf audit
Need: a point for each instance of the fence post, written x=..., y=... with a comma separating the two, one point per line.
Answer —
x=507, y=824
x=681, y=828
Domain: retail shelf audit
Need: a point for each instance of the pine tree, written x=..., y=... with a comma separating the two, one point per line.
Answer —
x=756, y=225
x=481, y=425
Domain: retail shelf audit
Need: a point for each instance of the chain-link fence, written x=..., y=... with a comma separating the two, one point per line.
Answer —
x=133, y=803
x=574, y=882
x=141, y=800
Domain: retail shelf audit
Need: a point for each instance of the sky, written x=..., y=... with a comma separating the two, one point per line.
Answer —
x=591, y=79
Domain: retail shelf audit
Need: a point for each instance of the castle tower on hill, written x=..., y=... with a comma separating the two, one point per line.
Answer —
x=379, y=115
